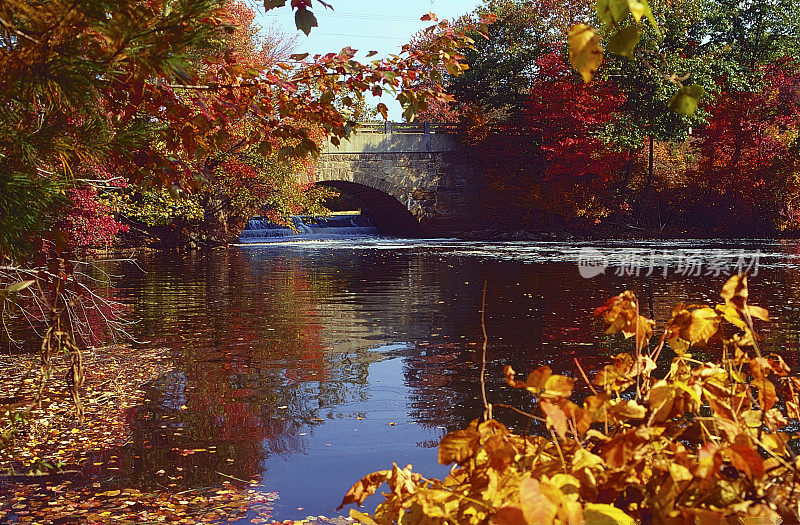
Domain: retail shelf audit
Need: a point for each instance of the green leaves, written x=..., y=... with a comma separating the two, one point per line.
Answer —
x=305, y=20
x=613, y=12
x=624, y=41
x=17, y=287
x=685, y=101
x=10, y=292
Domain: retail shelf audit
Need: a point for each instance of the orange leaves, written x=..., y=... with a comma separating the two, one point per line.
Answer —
x=745, y=458
x=621, y=314
x=545, y=385
x=622, y=373
x=766, y=393
x=542, y=383
x=364, y=488
x=552, y=391
x=462, y=445
x=535, y=506
x=402, y=482
x=698, y=443
x=694, y=324
x=671, y=399
x=459, y=446
x=563, y=412
x=551, y=499
x=735, y=292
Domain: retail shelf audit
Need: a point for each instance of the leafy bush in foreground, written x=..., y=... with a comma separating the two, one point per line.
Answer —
x=704, y=442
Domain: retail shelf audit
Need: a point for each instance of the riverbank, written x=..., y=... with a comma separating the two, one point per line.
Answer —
x=48, y=457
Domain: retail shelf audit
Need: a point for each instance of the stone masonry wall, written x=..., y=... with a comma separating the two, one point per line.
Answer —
x=441, y=189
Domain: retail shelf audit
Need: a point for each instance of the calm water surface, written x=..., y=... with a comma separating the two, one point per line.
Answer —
x=312, y=364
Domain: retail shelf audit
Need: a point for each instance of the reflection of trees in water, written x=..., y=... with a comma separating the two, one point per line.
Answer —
x=251, y=365
x=255, y=330
x=547, y=319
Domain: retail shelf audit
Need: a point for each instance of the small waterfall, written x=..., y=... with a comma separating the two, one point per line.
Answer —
x=260, y=229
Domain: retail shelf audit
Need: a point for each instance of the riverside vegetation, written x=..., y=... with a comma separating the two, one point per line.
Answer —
x=689, y=441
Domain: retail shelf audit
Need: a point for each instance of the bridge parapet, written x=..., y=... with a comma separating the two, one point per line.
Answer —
x=408, y=127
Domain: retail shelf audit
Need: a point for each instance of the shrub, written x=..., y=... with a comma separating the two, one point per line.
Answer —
x=700, y=442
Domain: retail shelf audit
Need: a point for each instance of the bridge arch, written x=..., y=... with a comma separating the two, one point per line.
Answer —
x=386, y=212
x=406, y=173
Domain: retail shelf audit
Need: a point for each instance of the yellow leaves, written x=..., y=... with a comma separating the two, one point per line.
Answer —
x=671, y=399
x=364, y=488
x=542, y=383
x=679, y=472
x=585, y=52
x=556, y=417
x=690, y=440
x=548, y=499
x=695, y=324
x=601, y=514
x=536, y=507
x=537, y=379
x=584, y=459
x=557, y=386
x=621, y=374
x=596, y=407
x=735, y=292
x=624, y=410
x=487, y=438
x=438, y=504
x=621, y=314
x=362, y=518
x=459, y=446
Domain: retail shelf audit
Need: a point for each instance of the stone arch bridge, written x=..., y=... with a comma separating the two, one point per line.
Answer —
x=410, y=178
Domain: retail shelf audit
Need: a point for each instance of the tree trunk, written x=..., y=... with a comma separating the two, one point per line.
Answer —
x=627, y=176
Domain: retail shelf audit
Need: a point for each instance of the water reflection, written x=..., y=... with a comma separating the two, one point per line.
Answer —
x=314, y=363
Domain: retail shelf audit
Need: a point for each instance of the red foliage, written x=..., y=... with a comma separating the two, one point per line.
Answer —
x=570, y=172
x=565, y=113
x=89, y=221
x=747, y=152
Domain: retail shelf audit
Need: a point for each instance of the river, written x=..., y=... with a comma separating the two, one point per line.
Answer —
x=313, y=363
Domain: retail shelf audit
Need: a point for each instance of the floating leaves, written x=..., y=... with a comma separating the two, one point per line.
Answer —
x=105, y=423
x=65, y=503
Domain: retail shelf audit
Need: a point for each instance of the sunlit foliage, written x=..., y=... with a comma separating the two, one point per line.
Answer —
x=691, y=442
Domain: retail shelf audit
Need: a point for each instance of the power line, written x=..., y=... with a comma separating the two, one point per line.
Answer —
x=364, y=16
x=362, y=36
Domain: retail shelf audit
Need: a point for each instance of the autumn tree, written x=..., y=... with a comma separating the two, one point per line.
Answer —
x=118, y=85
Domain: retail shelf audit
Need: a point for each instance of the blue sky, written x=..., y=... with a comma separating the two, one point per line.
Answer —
x=382, y=26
